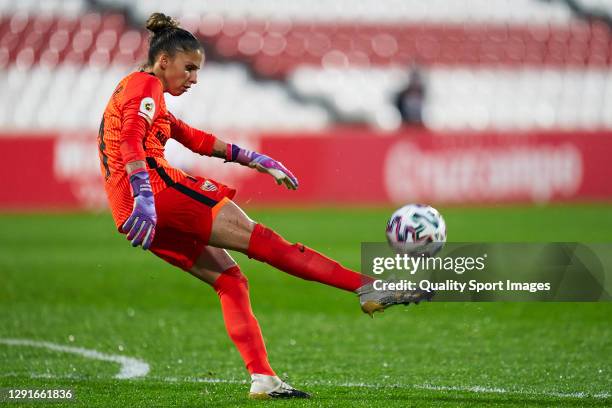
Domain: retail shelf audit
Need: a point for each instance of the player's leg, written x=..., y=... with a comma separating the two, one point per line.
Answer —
x=217, y=268
x=211, y=263
x=233, y=229
x=201, y=208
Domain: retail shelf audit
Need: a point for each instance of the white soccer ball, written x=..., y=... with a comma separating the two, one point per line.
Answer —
x=416, y=229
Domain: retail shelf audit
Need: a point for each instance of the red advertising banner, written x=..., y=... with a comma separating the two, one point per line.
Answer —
x=345, y=166
x=354, y=166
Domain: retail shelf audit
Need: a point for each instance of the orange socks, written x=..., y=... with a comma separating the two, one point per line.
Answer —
x=298, y=260
x=242, y=327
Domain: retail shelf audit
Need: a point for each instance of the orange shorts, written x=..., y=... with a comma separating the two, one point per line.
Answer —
x=185, y=214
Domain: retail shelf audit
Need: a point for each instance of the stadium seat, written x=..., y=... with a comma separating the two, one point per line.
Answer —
x=512, y=65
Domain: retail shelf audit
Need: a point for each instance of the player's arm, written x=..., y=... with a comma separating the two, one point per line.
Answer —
x=208, y=144
x=138, y=113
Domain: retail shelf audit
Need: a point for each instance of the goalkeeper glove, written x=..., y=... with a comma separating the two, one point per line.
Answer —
x=140, y=226
x=262, y=163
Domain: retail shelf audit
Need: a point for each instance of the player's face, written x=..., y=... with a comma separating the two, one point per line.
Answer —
x=181, y=71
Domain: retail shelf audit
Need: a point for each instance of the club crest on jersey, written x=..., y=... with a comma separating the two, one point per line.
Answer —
x=147, y=108
x=208, y=186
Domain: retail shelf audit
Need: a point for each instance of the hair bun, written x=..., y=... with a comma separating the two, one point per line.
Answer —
x=159, y=21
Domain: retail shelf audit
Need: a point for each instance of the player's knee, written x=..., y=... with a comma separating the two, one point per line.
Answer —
x=237, y=274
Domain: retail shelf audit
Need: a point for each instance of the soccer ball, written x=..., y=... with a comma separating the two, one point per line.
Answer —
x=416, y=229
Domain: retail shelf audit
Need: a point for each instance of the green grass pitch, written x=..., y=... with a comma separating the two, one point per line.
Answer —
x=71, y=280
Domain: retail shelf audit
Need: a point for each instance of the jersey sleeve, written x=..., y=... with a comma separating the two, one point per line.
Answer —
x=194, y=139
x=139, y=109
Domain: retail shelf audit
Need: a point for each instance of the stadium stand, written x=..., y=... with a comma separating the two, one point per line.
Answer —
x=45, y=55
x=518, y=64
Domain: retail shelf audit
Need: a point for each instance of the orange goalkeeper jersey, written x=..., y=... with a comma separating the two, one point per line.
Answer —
x=141, y=94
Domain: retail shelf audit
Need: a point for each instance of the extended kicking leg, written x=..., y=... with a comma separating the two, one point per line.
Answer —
x=233, y=229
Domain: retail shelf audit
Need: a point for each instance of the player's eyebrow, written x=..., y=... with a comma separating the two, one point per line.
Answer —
x=191, y=65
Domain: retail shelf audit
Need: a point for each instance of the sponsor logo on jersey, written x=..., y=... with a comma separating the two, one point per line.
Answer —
x=208, y=186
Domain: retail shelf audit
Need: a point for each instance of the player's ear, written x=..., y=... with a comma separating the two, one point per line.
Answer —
x=164, y=60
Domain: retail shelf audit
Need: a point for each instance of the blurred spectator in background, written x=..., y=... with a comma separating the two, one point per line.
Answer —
x=410, y=100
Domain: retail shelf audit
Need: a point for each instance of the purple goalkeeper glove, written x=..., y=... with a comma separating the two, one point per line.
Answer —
x=262, y=163
x=140, y=226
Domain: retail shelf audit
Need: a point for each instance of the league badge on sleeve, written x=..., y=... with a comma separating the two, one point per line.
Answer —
x=147, y=108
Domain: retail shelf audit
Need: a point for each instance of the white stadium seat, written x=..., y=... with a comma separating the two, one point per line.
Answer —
x=504, y=64
x=73, y=97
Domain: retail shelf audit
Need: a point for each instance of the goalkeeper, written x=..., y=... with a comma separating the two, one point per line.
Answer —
x=190, y=221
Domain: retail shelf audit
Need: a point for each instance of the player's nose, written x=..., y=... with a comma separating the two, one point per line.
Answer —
x=193, y=78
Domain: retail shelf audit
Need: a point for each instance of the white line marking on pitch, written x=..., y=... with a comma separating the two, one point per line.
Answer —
x=130, y=367
x=472, y=389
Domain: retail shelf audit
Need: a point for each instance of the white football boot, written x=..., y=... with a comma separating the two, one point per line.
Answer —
x=269, y=386
x=373, y=300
